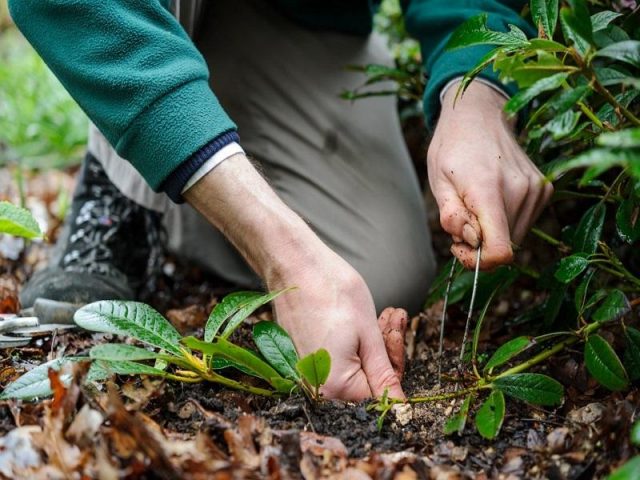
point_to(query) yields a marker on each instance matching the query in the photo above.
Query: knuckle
(388, 378)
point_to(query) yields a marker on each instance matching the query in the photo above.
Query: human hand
(331, 307)
(487, 189)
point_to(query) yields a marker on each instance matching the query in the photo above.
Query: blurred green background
(40, 125)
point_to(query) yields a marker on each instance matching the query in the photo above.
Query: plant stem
(592, 116)
(447, 396)
(612, 100)
(547, 238)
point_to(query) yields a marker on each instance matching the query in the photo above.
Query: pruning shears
(45, 317)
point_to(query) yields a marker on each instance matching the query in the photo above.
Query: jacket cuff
(174, 184)
(171, 129)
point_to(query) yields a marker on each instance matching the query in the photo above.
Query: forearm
(240, 203)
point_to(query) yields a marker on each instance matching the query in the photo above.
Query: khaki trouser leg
(342, 166)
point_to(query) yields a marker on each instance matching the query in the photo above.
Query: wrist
(479, 103)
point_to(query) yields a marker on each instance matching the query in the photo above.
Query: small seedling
(191, 360)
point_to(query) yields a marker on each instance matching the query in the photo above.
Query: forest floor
(139, 428)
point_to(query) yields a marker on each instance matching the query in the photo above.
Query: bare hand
(486, 187)
(333, 309)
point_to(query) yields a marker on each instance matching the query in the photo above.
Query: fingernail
(470, 236)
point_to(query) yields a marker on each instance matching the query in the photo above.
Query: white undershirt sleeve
(220, 156)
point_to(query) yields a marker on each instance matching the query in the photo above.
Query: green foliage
(491, 415)
(457, 422)
(176, 358)
(531, 387)
(603, 363)
(18, 221)
(629, 471)
(579, 110)
(314, 369)
(40, 125)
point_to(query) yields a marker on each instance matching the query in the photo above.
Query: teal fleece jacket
(140, 79)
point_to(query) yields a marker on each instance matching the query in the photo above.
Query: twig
(444, 316)
(471, 303)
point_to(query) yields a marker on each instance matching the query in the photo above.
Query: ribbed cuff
(175, 182)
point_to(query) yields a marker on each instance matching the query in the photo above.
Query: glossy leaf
(457, 422)
(601, 20)
(126, 367)
(534, 388)
(628, 138)
(507, 351)
(570, 267)
(545, 15)
(491, 415)
(134, 319)
(524, 97)
(224, 310)
(315, 367)
(629, 471)
(603, 363)
(635, 433)
(18, 221)
(247, 309)
(626, 52)
(579, 20)
(582, 290)
(563, 125)
(632, 352)
(121, 351)
(35, 383)
(236, 355)
(475, 32)
(276, 347)
(589, 230)
(628, 220)
(614, 306)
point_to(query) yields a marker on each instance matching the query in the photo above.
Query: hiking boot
(108, 248)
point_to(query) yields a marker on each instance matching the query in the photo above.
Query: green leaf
(315, 367)
(628, 221)
(475, 32)
(134, 319)
(276, 347)
(614, 306)
(581, 291)
(572, 33)
(35, 383)
(545, 15)
(567, 99)
(635, 433)
(627, 52)
(126, 367)
(18, 221)
(563, 125)
(457, 422)
(522, 98)
(628, 138)
(121, 351)
(507, 351)
(579, 20)
(491, 415)
(601, 20)
(589, 230)
(236, 355)
(601, 158)
(531, 387)
(603, 363)
(247, 309)
(632, 353)
(629, 471)
(223, 311)
(570, 267)
(608, 76)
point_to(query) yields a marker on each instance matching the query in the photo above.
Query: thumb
(492, 215)
(377, 366)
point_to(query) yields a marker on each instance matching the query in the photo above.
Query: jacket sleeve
(138, 77)
(432, 22)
